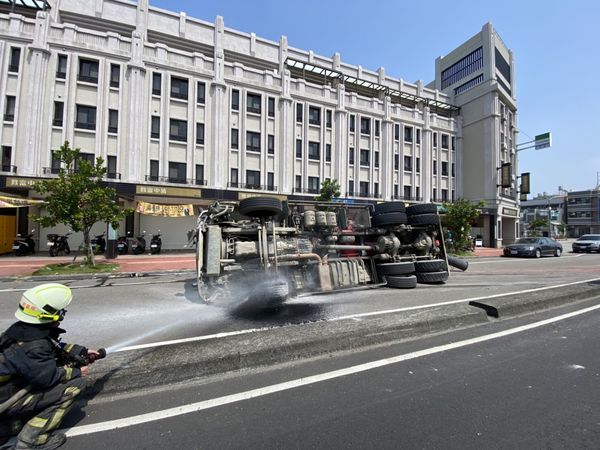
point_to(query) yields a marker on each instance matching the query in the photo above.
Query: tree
(77, 197)
(537, 226)
(458, 218)
(329, 190)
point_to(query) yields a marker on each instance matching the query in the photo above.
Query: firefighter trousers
(43, 411)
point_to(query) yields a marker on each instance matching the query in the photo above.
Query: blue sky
(556, 46)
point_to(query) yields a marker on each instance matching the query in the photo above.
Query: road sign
(543, 141)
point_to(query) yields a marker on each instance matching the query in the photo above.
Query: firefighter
(35, 386)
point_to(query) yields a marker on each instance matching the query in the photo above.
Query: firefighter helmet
(45, 303)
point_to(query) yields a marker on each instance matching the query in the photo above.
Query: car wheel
(538, 253)
(558, 252)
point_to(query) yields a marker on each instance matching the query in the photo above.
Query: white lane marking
(351, 317)
(522, 260)
(292, 384)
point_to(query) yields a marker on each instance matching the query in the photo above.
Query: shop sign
(15, 202)
(154, 209)
(26, 183)
(243, 195)
(509, 212)
(167, 191)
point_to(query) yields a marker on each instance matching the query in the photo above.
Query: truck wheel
(458, 263)
(432, 277)
(397, 268)
(388, 207)
(424, 219)
(388, 219)
(260, 207)
(422, 208)
(402, 282)
(433, 265)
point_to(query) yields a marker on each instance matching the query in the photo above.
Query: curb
(85, 276)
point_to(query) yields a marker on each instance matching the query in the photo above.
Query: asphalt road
(495, 386)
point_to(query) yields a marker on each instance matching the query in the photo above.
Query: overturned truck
(280, 249)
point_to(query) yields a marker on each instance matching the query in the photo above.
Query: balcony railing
(200, 182)
(261, 187)
(51, 170)
(10, 169)
(307, 191)
(9, 117)
(364, 194)
(85, 125)
(88, 79)
(407, 199)
(113, 175)
(170, 179)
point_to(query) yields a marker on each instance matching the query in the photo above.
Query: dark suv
(587, 243)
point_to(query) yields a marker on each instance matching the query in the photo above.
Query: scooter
(122, 246)
(155, 244)
(99, 244)
(24, 245)
(138, 245)
(58, 243)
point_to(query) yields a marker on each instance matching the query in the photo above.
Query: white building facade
(187, 112)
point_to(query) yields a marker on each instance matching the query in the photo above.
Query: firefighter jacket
(28, 358)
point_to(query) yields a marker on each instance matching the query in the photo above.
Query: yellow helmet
(45, 303)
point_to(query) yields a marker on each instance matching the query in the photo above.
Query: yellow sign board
(168, 191)
(153, 209)
(243, 195)
(16, 182)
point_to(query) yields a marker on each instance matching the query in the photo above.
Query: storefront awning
(161, 210)
(17, 202)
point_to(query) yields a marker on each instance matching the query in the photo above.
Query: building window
(88, 70)
(444, 195)
(254, 101)
(200, 175)
(178, 130)
(453, 143)
(463, 68)
(252, 141)
(235, 100)
(201, 93)
(298, 183)
(9, 109)
(364, 157)
(61, 67)
(179, 88)
(363, 188)
(376, 161)
(408, 134)
(434, 167)
(435, 139)
(113, 121)
(155, 127)
(328, 152)
(85, 117)
(298, 148)
(376, 189)
(6, 158)
(444, 141)
(396, 132)
(89, 157)
(408, 163)
(314, 115)
(351, 187)
(299, 112)
(453, 169)
(418, 140)
(377, 128)
(314, 150)
(156, 83)
(365, 125)
(418, 165)
(328, 118)
(153, 170)
(313, 185)
(233, 178)
(352, 123)
(271, 107)
(59, 110)
(396, 162)
(270, 181)
(417, 193)
(407, 191)
(111, 167)
(445, 168)
(55, 163)
(15, 59)
(177, 172)
(235, 141)
(271, 144)
(395, 191)
(253, 179)
(115, 75)
(200, 133)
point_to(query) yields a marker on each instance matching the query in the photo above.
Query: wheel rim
(558, 252)
(538, 254)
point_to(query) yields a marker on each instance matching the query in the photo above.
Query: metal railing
(262, 187)
(6, 168)
(407, 199)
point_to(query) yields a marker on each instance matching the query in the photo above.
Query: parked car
(587, 243)
(535, 247)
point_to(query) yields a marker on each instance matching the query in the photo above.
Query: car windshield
(590, 237)
(527, 241)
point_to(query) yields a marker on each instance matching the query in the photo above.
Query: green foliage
(537, 226)
(329, 190)
(70, 269)
(77, 197)
(458, 218)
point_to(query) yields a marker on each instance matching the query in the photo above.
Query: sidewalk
(11, 266)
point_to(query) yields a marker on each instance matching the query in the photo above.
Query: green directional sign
(543, 141)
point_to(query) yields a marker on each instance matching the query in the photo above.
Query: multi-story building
(583, 212)
(185, 111)
(549, 208)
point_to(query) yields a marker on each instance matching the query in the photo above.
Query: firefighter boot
(55, 440)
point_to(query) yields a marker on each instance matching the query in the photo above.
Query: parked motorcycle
(99, 244)
(58, 244)
(24, 245)
(138, 244)
(155, 244)
(122, 245)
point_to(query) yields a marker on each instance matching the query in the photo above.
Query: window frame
(86, 72)
(253, 103)
(113, 116)
(177, 90)
(253, 141)
(181, 125)
(81, 110)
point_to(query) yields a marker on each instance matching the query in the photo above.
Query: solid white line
(220, 401)
(352, 316)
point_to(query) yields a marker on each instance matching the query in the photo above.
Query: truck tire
(396, 268)
(458, 263)
(388, 207)
(432, 265)
(388, 219)
(402, 281)
(424, 219)
(260, 207)
(422, 208)
(432, 277)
